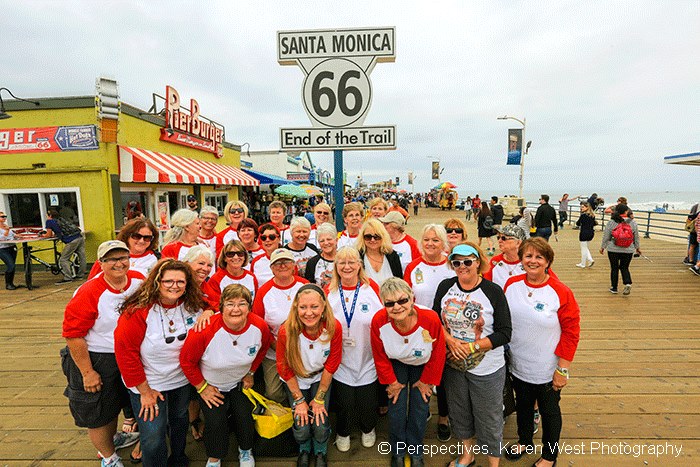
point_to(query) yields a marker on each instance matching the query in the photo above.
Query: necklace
(120, 289)
(234, 342)
(530, 291)
(171, 323)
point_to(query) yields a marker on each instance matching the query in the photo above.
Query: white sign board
(337, 92)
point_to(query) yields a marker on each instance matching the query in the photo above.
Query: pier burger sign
(185, 126)
(337, 92)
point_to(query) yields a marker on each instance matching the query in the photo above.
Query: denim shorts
(94, 409)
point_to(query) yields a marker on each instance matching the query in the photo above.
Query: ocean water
(637, 201)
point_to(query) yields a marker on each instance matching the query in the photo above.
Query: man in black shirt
(545, 218)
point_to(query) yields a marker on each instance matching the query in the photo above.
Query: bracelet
(299, 401)
(319, 401)
(204, 386)
(471, 347)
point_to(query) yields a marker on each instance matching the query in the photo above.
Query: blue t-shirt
(56, 229)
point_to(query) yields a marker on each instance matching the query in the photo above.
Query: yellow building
(61, 155)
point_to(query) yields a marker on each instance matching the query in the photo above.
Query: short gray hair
(298, 222)
(393, 287)
(439, 231)
(326, 229)
(206, 208)
(197, 251)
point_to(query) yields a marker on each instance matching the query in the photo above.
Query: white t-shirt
(378, 276)
(346, 240)
(424, 278)
(357, 367)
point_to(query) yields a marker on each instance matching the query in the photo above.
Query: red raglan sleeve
(219, 244)
(409, 270)
(415, 251)
(570, 321)
(214, 282)
(283, 368)
(170, 250)
(385, 371)
(432, 371)
(333, 360)
(193, 349)
(81, 312)
(258, 303)
(128, 336)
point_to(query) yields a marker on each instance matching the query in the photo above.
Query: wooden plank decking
(635, 383)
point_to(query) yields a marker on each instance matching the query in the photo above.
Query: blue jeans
(312, 434)
(172, 420)
(544, 232)
(407, 428)
(9, 256)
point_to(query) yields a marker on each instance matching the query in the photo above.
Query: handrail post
(646, 234)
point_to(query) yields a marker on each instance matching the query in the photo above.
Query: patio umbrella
(447, 185)
(291, 190)
(311, 190)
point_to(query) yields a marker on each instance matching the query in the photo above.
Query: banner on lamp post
(515, 146)
(436, 170)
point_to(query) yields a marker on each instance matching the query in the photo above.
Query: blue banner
(515, 146)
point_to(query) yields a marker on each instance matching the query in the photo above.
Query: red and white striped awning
(144, 166)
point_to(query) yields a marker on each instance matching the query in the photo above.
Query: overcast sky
(608, 88)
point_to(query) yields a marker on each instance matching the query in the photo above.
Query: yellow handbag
(271, 418)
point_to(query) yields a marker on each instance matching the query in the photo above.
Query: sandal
(512, 453)
(196, 431)
(130, 425)
(137, 450)
(455, 463)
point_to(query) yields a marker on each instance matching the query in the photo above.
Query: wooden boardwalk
(635, 379)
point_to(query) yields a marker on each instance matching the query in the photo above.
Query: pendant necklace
(171, 323)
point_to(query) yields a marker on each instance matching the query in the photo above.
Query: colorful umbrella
(291, 190)
(312, 190)
(447, 185)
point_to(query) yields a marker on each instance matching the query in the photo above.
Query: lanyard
(348, 317)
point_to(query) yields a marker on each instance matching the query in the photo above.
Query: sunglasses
(456, 263)
(325, 213)
(265, 238)
(121, 259)
(454, 230)
(3, 217)
(171, 339)
(369, 237)
(173, 282)
(402, 301)
(282, 262)
(138, 236)
(236, 211)
(233, 254)
(504, 238)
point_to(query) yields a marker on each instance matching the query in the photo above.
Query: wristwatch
(563, 371)
(477, 347)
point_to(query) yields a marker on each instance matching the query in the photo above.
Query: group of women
(360, 329)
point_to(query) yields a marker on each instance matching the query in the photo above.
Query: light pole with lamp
(527, 147)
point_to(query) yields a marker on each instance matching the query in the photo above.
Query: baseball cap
(511, 230)
(191, 198)
(393, 216)
(279, 254)
(110, 245)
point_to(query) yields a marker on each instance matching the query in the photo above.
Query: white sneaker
(580, 265)
(245, 458)
(342, 443)
(627, 289)
(116, 462)
(213, 464)
(368, 439)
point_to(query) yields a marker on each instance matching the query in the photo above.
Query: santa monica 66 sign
(337, 92)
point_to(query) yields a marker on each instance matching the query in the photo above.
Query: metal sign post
(338, 189)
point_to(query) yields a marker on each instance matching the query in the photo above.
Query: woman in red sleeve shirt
(409, 353)
(183, 234)
(546, 328)
(219, 362)
(147, 341)
(309, 349)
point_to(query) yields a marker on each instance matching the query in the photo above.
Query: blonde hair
(439, 231)
(374, 202)
(235, 245)
(178, 222)
(293, 326)
(394, 286)
(325, 206)
(299, 222)
(234, 204)
(354, 206)
(379, 229)
(344, 254)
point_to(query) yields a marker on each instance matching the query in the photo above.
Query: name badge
(348, 342)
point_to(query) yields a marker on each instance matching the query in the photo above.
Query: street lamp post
(522, 156)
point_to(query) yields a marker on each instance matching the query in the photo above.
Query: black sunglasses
(454, 230)
(232, 254)
(265, 238)
(236, 210)
(171, 339)
(504, 238)
(458, 263)
(325, 213)
(402, 301)
(138, 236)
(369, 237)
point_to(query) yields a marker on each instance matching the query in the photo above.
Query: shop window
(29, 209)
(135, 203)
(217, 200)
